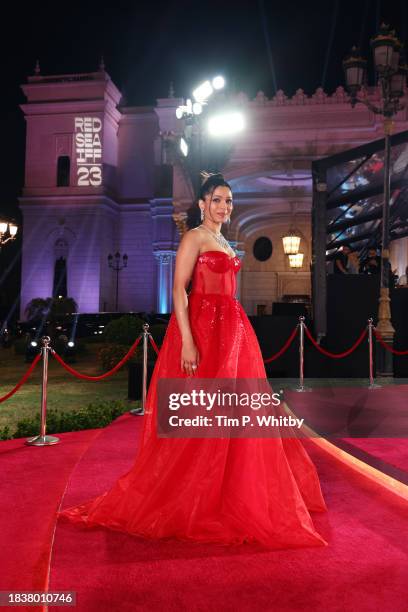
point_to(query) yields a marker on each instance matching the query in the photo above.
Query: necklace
(219, 238)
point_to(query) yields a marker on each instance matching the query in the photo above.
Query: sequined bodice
(214, 273)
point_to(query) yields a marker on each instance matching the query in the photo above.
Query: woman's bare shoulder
(192, 237)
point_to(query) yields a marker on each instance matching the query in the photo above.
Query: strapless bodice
(214, 273)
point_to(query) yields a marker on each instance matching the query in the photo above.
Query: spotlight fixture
(183, 147)
(226, 124)
(218, 82)
(203, 92)
(200, 95)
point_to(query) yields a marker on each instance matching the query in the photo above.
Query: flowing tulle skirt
(224, 490)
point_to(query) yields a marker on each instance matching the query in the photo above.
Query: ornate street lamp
(386, 49)
(116, 265)
(8, 231)
(355, 71)
(391, 76)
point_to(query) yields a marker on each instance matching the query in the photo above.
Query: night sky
(255, 44)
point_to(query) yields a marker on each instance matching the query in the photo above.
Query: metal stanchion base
(42, 440)
(302, 389)
(374, 386)
(137, 411)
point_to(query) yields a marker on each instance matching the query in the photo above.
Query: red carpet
(32, 484)
(353, 412)
(371, 425)
(364, 567)
(392, 450)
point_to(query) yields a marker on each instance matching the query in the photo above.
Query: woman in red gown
(223, 490)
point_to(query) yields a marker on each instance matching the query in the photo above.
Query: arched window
(60, 278)
(63, 171)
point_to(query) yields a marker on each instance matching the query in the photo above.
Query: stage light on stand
(189, 109)
(192, 140)
(226, 124)
(218, 82)
(203, 92)
(183, 147)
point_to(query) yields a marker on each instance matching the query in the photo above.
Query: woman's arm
(187, 254)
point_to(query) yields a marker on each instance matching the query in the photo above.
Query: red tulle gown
(229, 490)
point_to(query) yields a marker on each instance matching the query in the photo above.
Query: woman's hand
(189, 357)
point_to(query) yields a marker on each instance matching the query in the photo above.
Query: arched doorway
(60, 286)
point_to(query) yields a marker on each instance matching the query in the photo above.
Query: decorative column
(164, 287)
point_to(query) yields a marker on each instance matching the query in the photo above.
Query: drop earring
(201, 214)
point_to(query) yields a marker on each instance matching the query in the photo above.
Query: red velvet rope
(156, 348)
(284, 347)
(102, 376)
(387, 346)
(278, 354)
(23, 380)
(336, 355)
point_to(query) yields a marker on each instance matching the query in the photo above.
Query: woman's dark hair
(211, 183)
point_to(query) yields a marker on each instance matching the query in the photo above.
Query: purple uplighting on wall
(101, 204)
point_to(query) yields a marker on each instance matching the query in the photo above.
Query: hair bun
(211, 181)
(206, 176)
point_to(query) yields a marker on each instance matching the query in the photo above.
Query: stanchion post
(145, 334)
(372, 384)
(43, 439)
(301, 388)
